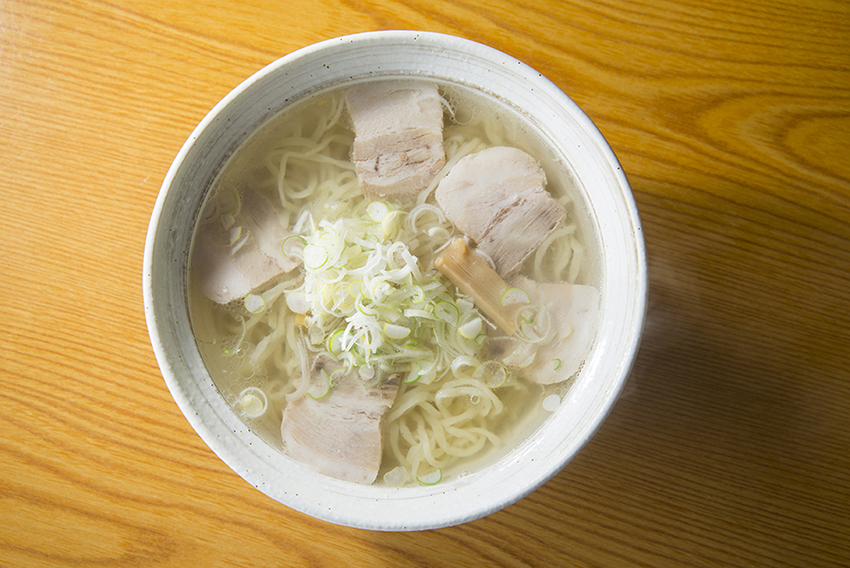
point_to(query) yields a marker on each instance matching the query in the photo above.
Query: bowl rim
(339, 502)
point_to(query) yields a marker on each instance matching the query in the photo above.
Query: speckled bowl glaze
(573, 137)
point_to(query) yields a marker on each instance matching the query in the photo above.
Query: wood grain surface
(731, 444)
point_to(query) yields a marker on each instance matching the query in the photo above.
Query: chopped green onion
(236, 206)
(470, 329)
(381, 290)
(389, 226)
(368, 297)
(297, 302)
(366, 310)
(255, 304)
(396, 331)
(315, 257)
(417, 313)
(356, 288)
(413, 375)
(289, 243)
(235, 234)
(252, 402)
(377, 210)
(335, 341)
(432, 478)
(418, 294)
(551, 402)
(514, 296)
(395, 477)
(447, 312)
(327, 389)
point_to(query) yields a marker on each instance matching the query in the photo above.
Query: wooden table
(731, 443)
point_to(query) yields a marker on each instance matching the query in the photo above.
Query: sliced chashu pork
(398, 144)
(498, 198)
(573, 314)
(341, 434)
(237, 253)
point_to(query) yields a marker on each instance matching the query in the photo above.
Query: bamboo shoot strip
(473, 277)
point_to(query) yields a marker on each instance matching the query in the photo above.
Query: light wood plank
(731, 444)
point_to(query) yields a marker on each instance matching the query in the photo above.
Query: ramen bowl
(610, 218)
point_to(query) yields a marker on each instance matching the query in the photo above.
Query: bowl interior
(572, 138)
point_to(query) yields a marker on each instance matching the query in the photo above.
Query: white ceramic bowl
(614, 220)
